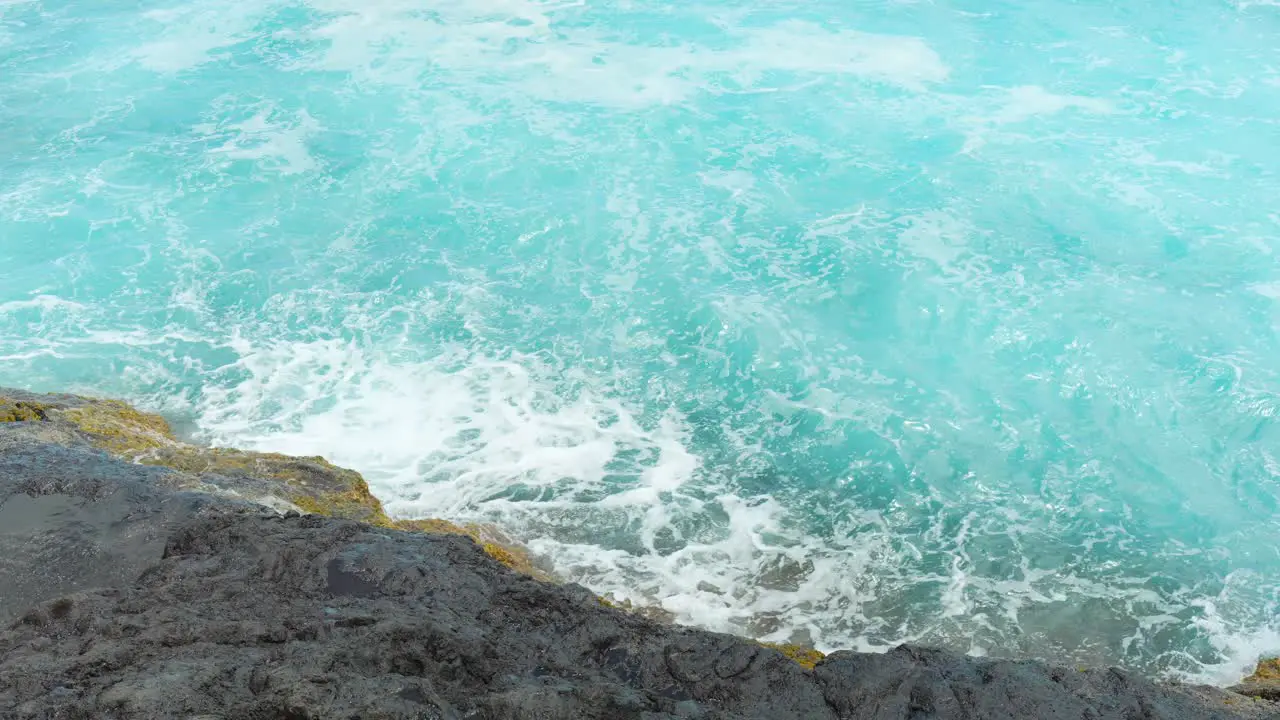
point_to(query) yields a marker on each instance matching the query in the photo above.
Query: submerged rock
(143, 578)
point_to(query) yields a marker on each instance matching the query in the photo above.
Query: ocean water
(844, 322)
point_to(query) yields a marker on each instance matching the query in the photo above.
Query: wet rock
(782, 573)
(72, 518)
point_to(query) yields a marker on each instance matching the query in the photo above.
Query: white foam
(521, 47)
(1242, 626)
(1267, 289)
(810, 48)
(615, 501)
(607, 495)
(1022, 103)
(273, 140)
(937, 236)
(1029, 101)
(40, 302)
(475, 424)
(190, 34)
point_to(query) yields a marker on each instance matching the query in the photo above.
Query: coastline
(81, 433)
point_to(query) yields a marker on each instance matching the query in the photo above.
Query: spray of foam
(1239, 644)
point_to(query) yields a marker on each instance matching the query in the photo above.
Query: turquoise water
(853, 323)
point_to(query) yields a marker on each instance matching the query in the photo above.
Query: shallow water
(853, 323)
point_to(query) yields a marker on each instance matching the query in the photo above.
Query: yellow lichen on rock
(119, 428)
(805, 657)
(349, 506)
(506, 551)
(1264, 683)
(13, 411)
(487, 537)
(430, 525)
(274, 466)
(316, 486)
(1267, 669)
(111, 425)
(312, 484)
(515, 558)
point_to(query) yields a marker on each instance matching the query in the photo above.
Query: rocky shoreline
(144, 577)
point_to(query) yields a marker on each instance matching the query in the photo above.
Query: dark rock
(72, 518)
